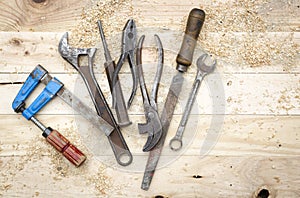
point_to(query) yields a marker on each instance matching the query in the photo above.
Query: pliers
(153, 124)
(128, 47)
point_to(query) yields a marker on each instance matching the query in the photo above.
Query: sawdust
(92, 172)
(221, 34)
(86, 33)
(236, 16)
(100, 181)
(242, 36)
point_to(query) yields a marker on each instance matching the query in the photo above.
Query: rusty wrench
(116, 139)
(202, 70)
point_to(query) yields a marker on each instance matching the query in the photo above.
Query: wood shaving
(236, 16)
(86, 33)
(100, 181)
(220, 34)
(253, 46)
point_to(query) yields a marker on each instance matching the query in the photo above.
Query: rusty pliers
(128, 49)
(153, 124)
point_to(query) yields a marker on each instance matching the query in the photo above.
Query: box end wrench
(116, 139)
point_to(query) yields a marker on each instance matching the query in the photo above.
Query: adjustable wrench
(116, 139)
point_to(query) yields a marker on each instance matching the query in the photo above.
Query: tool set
(156, 127)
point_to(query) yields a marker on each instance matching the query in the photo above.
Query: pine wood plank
(248, 141)
(220, 177)
(236, 135)
(273, 94)
(54, 16)
(39, 15)
(41, 48)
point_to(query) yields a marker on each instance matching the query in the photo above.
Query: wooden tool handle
(72, 153)
(194, 25)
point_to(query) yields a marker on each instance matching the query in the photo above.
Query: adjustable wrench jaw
(72, 54)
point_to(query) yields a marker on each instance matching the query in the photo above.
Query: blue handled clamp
(30, 84)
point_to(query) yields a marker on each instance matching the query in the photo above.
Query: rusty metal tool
(128, 48)
(74, 102)
(121, 111)
(56, 139)
(153, 125)
(202, 70)
(116, 139)
(184, 60)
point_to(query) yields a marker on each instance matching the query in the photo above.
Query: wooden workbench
(243, 134)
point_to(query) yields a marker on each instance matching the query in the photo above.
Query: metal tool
(56, 139)
(69, 98)
(153, 125)
(128, 48)
(121, 111)
(202, 70)
(184, 59)
(116, 139)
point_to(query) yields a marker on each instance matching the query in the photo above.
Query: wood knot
(16, 41)
(159, 196)
(197, 176)
(39, 1)
(264, 192)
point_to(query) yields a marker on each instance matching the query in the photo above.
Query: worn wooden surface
(255, 109)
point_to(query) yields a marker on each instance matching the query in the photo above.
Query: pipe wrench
(153, 125)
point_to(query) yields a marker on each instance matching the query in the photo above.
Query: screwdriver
(60, 143)
(184, 60)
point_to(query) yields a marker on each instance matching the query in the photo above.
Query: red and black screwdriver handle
(61, 144)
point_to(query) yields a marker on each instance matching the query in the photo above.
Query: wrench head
(71, 54)
(203, 67)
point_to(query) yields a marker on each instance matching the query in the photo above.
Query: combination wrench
(202, 70)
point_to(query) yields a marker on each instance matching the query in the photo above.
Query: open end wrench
(116, 139)
(202, 70)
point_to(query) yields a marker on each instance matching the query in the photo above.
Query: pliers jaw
(129, 37)
(128, 49)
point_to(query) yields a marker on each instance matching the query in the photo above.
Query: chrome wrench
(202, 70)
